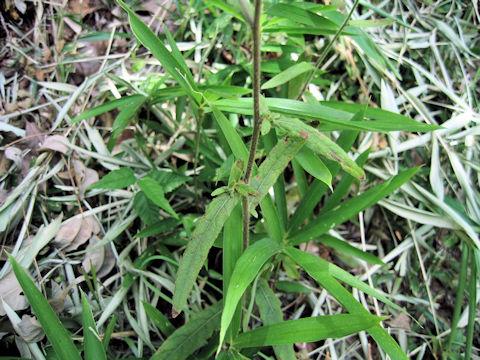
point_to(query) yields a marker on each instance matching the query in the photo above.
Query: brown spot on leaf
(304, 134)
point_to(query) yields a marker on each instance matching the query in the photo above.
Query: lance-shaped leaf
(288, 74)
(203, 237)
(306, 330)
(315, 269)
(154, 192)
(93, 345)
(185, 340)
(246, 269)
(276, 161)
(343, 212)
(116, 179)
(155, 45)
(319, 143)
(314, 166)
(271, 313)
(56, 333)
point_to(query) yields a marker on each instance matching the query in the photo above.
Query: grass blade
(306, 330)
(185, 340)
(271, 313)
(309, 263)
(247, 267)
(349, 208)
(55, 331)
(346, 248)
(287, 75)
(93, 345)
(203, 237)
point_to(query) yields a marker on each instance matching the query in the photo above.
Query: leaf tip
(175, 313)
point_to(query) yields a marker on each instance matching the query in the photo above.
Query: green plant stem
(257, 119)
(472, 302)
(326, 51)
(459, 299)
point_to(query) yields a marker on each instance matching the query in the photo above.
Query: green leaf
(169, 180)
(312, 267)
(332, 115)
(234, 140)
(346, 248)
(55, 331)
(116, 179)
(93, 345)
(154, 192)
(271, 313)
(246, 268)
(302, 16)
(155, 45)
(185, 340)
(146, 208)
(110, 105)
(306, 330)
(158, 227)
(371, 23)
(310, 261)
(124, 117)
(329, 219)
(276, 161)
(206, 231)
(314, 166)
(288, 74)
(320, 143)
(160, 320)
(292, 287)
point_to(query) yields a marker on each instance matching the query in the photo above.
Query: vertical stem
(327, 49)
(257, 120)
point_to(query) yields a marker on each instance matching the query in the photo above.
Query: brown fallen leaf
(10, 291)
(108, 262)
(91, 177)
(67, 233)
(94, 257)
(55, 143)
(82, 236)
(30, 329)
(34, 136)
(401, 321)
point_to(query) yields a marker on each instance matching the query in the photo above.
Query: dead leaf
(91, 177)
(401, 321)
(34, 136)
(15, 154)
(86, 229)
(10, 291)
(55, 143)
(83, 7)
(93, 257)
(78, 172)
(67, 233)
(30, 329)
(108, 262)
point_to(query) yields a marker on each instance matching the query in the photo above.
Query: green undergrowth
(265, 180)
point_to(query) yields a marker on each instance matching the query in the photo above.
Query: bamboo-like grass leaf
(206, 231)
(234, 140)
(346, 248)
(186, 339)
(306, 330)
(320, 143)
(314, 166)
(153, 43)
(247, 267)
(55, 331)
(271, 313)
(154, 192)
(320, 264)
(347, 209)
(313, 267)
(302, 16)
(93, 345)
(276, 161)
(160, 320)
(288, 74)
(98, 110)
(116, 179)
